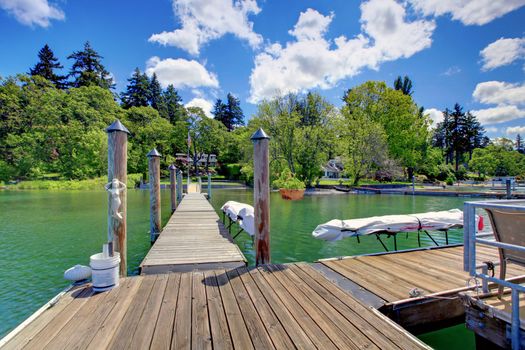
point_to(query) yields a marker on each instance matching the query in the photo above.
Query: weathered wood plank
(112, 322)
(200, 336)
(56, 324)
(164, 329)
(218, 323)
(240, 335)
(182, 325)
(124, 335)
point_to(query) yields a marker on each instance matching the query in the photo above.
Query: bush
(247, 174)
(445, 171)
(461, 173)
(450, 181)
(233, 171)
(288, 181)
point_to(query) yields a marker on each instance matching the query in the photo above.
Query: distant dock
(193, 239)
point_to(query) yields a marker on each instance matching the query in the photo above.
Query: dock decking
(385, 280)
(193, 239)
(273, 307)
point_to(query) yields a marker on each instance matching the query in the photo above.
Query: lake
(42, 233)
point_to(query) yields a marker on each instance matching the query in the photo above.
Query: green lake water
(42, 233)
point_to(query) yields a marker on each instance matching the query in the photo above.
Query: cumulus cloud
(498, 114)
(312, 61)
(499, 92)
(435, 115)
(32, 12)
(469, 12)
(514, 130)
(502, 52)
(206, 20)
(205, 105)
(181, 73)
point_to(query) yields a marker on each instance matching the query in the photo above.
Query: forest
(52, 126)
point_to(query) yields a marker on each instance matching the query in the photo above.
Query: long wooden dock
(273, 307)
(435, 277)
(193, 239)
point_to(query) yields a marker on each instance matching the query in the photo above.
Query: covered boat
(240, 213)
(334, 230)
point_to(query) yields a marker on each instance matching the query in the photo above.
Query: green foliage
(405, 129)
(137, 91)
(233, 171)
(230, 113)
(498, 160)
(301, 130)
(288, 181)
(247, 174)
(87, 69)
(46, 67)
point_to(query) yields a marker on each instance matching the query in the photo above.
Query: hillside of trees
(53, 125)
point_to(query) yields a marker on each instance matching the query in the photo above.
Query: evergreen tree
(473, 133)
(234, 112)
(519, 144)
(87, 70)
(219, 112)
(405, 85)
(137, 91)
(155, 93)
(174, 110)
(46, 66)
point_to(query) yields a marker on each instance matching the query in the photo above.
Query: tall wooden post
(209, 186)
(179, 186)
(173, 189)
(154, 193)
(261, 196)
(117, 169)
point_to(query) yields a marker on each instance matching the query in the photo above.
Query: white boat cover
(241, 213)
(335, 230)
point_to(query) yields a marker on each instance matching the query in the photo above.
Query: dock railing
(472, 238)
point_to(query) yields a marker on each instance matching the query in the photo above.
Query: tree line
(53, 125)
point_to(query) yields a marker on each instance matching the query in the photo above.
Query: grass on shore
(365, 182)
(88, 184)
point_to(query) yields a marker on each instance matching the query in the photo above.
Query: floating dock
(193, 239)
(434, 276)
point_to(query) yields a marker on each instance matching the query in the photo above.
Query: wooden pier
(271, 307)
(193, 239)
(434, 277)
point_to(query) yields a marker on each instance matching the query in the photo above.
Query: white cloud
(312, 61)
(499, 92)
(206, 20)
(498, 114)
(452, 71)
(491, 129)
(205, 105)
(435, 115)
(514, 130)
(181, 73)
(502, 52)
(32, 12)
(469, 12)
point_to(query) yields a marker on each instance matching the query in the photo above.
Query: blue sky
(466, 51)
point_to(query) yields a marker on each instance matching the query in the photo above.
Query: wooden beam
(154, 193)
(261, 196)
(173, 189)
(117, 169)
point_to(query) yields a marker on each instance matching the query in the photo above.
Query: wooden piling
(261, 196)
(117, 169)
(179, 185)
(154, 193)
(209, 186)
(173, 189)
